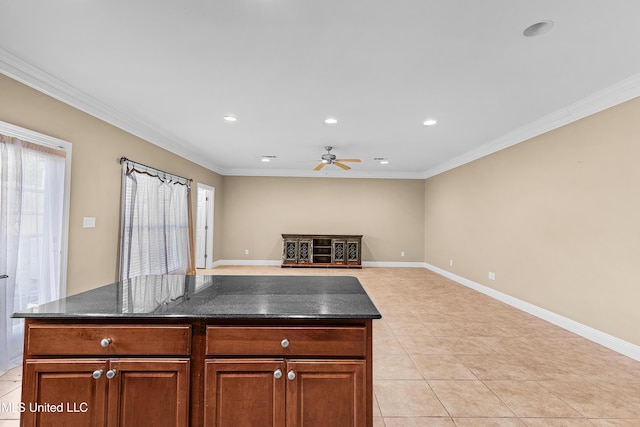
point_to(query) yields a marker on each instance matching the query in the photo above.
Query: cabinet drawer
(96, 340)
(289, 341)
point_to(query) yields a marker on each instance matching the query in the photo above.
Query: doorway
(34, 195)
(204, 227)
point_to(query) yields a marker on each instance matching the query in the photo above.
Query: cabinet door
(244, 393)
(290, 251)
(148, 392)
(324, 393)
(64, 392)
(305, 251)
(353, 252)
(339, 251)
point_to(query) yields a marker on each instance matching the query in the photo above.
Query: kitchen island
(202, 351)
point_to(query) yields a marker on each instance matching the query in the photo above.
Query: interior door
(204, 227)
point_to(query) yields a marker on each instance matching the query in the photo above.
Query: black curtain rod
(124, 159)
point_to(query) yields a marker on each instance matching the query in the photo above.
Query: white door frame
(208, 221)
(50, 141)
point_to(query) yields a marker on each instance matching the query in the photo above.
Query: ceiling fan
(330, 159)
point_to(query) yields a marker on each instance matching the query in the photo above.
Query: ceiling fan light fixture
(538, 29)
(430, 122)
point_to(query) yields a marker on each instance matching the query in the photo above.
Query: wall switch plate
(89, 222)
(492, 275)
(246, 251)
(402, 253)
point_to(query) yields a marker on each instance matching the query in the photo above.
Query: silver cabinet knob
(105, 342)
(277, 374)
(97, 374)
(111, 373)
(291, 375)
(284, 343)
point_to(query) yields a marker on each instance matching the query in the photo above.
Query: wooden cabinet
(70, 382)
(331, 250)
(290, 382)
(221, 372)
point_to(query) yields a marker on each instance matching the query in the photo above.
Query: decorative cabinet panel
(353, 252)
(339, 251)
(321, 250)
(290, 250)
(305, 250)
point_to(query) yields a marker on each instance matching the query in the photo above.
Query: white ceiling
(169, 71)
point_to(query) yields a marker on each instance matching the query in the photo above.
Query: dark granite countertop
(216, 297)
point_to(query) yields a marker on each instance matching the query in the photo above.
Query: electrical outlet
(402, 253)
(492, 275)
(89, 222)
(246, 251)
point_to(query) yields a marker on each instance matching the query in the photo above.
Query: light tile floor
(445, 355)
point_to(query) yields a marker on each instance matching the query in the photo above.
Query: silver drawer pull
(105, 342)
(291, 375)
(97, 374)
(277, 374)
(111, 373)
(284, 343)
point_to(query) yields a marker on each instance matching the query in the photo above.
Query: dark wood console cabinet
(326, 250)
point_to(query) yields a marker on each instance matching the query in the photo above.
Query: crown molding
(336, 173)
(618, 93)
(20, 70)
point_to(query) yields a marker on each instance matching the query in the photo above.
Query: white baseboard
(392, 264)
(247, 262)
(279, 262)
(609, 341)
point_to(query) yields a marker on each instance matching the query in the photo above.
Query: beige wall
(388, 213)
(95, 177)
(557, 218)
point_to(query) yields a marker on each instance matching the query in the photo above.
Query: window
(34, 188)
(156, 222)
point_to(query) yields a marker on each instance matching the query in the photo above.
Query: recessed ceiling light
(230, 118)
(538, 29)
(384, 162)
(430, 122)
(267, 158)
(331, 121)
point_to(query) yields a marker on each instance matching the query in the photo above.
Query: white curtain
(156, 237)
(31, 219)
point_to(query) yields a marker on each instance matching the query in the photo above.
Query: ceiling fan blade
(349, 160)
(340, 165)
(320, 166)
